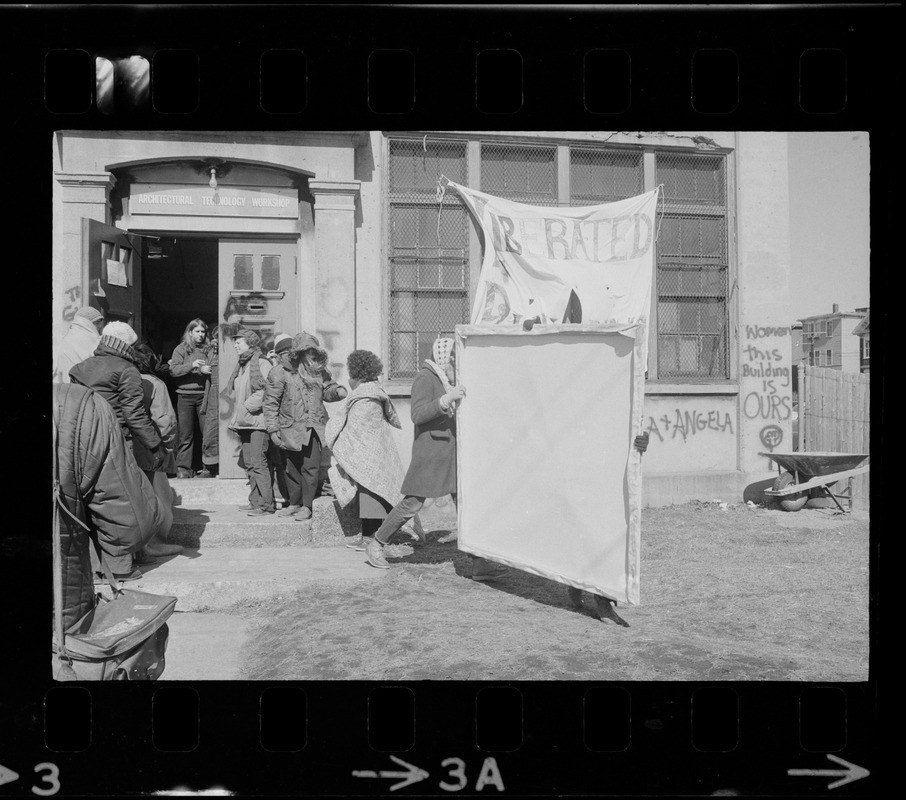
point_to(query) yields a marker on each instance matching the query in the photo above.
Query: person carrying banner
(432, 470)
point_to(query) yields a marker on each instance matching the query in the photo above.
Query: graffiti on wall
(686, 423)
(771, 436)
(71, 303)
(762, 364)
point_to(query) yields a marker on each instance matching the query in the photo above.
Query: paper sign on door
(116, 273)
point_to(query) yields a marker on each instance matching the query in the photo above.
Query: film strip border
(527, 739)
(722, 66)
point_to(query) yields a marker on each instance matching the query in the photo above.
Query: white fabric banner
(537, 257)
(548, 479)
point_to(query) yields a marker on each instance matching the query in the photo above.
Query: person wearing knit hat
(111, 372)
(295, 416)
(246, 386)
(432, 470)
(79, 342)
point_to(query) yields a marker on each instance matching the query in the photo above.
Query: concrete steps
(191, 492)
(211, 525)
(206, 515)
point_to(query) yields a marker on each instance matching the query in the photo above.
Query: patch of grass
(728, 593)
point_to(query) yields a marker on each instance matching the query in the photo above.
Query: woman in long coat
(432, 471)
(367, 465)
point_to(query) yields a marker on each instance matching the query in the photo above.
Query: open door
(257, 287)
(111, 258)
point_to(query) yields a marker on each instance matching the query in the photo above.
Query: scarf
(441, 350)
(256, 382)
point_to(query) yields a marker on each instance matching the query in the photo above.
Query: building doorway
(231, 284)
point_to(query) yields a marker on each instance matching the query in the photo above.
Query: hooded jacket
(79, 343)
(112, 373)
(101, 485)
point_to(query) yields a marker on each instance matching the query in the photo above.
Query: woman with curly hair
(367, 464)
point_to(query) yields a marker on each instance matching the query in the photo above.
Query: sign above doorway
(224, 201)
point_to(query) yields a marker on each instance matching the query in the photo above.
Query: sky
(829, 221)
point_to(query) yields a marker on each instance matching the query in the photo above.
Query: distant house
(861, 330)
(828, 341)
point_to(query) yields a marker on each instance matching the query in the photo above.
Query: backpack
(121, 638)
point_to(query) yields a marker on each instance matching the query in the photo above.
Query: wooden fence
(834, 417)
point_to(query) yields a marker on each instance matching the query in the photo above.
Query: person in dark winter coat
(191, 372)
(432, 470)
(294, 416)
(102, 486)
(111, 372)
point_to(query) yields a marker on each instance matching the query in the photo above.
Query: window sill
(651, 388)
(398, 389)
(713, 387)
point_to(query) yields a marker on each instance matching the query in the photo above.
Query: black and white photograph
(465, 405)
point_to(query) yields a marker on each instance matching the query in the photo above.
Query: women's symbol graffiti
(771, 436)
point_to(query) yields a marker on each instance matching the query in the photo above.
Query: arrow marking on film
(412, 774)
(850, 773)
(7, 775)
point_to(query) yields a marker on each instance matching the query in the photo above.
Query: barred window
(428, 251)
(430, 248)
(526, 174)
(692, 268)
(602, 176)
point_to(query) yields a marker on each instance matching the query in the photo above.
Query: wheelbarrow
(813, 471)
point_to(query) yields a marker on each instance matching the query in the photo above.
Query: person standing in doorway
(246, 385)
(210, 408)
(79, 342)
(191, 373)
(432, 470)
(294, 416)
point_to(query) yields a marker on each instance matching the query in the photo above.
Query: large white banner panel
(549, 481)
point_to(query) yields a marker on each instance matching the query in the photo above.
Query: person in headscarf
(432, 470)
(294, 416)
(367, 464)
(79, 342)
(246, 385)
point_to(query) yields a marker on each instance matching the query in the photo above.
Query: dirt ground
(728, 592)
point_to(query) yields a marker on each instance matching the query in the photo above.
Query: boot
(374, 553)
(452, 536)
